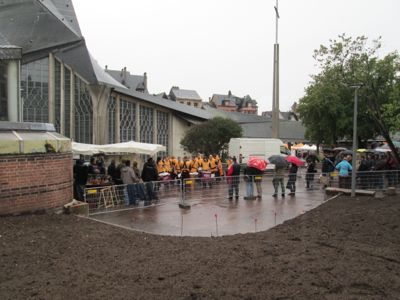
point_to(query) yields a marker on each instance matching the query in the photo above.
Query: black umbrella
(278, 161)
(347, 152)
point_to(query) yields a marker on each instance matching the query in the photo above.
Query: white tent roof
(128, 147)
(308, 148)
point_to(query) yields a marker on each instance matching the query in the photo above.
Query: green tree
(212, 136)
(327, 107)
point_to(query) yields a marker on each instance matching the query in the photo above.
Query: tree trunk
(388, 139)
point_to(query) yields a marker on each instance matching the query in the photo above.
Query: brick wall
(35, 182)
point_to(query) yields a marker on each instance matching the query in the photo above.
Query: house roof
(102, 76)
(236, 116)
(217, 99)
(288, 130)
(255, 126)
(282, 115)
(133, 82)
(178, 94)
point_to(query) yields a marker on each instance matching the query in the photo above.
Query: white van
(243, 148)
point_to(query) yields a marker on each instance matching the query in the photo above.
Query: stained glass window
(163, 130)
(127, 120)
(111, 119)
(67, 102)
(35, 91)
(57, 96)
(3, 92)
(83, 113)
(146, 124)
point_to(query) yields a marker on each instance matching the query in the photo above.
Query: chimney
(123, 75)
(106, 67)
(229, 93)
(145, 81)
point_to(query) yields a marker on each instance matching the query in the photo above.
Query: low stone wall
(35, 182)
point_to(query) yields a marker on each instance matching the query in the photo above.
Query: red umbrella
(258, 163)
(294, 160)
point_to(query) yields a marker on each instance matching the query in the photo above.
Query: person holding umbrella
(259, 165)
(295, 163)
(279, 174)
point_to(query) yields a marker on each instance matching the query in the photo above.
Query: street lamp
(275, 93)
(356, 87)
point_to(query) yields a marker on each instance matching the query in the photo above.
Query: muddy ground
(344, 249)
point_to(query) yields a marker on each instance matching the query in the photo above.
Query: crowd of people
(372, 169)
(143, 184)
(183, 167)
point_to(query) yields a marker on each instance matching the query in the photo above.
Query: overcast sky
(213, 46)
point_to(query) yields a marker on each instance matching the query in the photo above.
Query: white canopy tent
(308, 148)
(127, 147)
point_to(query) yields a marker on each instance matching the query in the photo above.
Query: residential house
(231, 103)
(133, 82)
(188, 97)
(288, 116)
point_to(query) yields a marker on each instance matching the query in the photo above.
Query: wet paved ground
(211, 213)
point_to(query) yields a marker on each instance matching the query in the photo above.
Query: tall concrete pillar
(13, 98)
(62, 100)
(155, 126)
(137, 120)
(100, 95)
(52, 91)
(72, 106)
(118, 119)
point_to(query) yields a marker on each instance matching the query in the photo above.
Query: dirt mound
(345, 248)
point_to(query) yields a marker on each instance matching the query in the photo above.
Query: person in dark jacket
(149, 176)
(328, 166)
(364, 171)
(291, 184)
(250, 173)
(113, 171)
(233, 179)
(93, 167)
(310, 173)
(80, 179)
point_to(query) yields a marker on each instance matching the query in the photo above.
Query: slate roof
(178, 94)
(178, 108)
(65, 12)
(132, 82)
(288, 130)
(43, 26)
(239, 102)
(8, 51)
(3, 41)
(282, 115)
(37, 25)
(255, 126)
(217, 99)
(236, 116)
